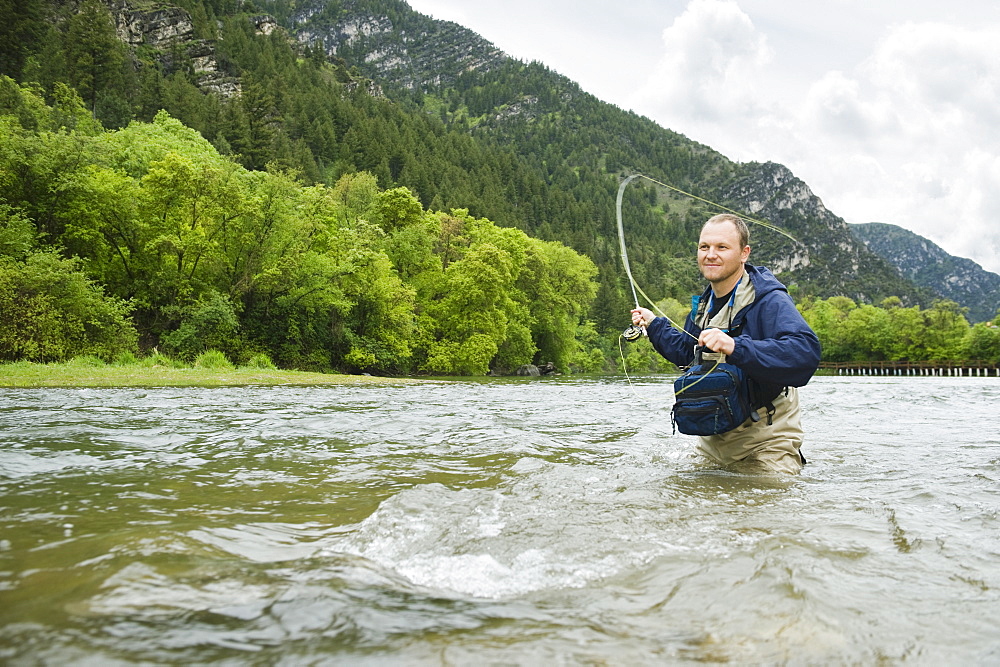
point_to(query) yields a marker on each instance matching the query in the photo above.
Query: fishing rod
(633, 333)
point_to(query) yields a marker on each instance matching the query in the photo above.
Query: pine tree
(95, 61)
(21, 30)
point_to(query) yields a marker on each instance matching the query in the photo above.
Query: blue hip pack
(711, 397)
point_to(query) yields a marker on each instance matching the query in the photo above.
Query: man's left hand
(717, 340)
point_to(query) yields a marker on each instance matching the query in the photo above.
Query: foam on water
(466, 542)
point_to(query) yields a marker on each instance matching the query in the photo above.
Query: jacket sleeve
(777, 346)
(676, 346)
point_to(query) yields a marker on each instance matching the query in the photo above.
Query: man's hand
(641, 317)
(716, 340)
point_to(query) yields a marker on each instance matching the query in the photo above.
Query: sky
(889, 111)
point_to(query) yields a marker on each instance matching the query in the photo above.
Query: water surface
(513, 521)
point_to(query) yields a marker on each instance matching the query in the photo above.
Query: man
(747, 315)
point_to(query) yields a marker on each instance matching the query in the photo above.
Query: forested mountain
(350, 184)
(583, 146)
(925, 263)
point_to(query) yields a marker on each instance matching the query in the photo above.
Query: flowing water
(503, 521)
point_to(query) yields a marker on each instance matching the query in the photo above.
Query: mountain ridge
(919, 259)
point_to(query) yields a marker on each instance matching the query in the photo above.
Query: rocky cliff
(398, 46)
(164, 27)
(825, 251)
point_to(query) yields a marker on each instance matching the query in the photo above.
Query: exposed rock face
(925, 263)
(164, 27)
(416, 52)
(264, 23)
(158, 28)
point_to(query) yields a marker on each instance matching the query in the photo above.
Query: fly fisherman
(747, 315)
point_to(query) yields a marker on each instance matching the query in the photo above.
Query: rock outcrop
(165, 28)
(410, 50)
(825, 250)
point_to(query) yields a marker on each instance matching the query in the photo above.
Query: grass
(92, 372)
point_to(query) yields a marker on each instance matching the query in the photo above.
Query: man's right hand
(641, 317)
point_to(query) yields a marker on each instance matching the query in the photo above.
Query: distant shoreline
(24, 375)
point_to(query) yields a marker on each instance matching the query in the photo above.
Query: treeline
(297, 115)
(850, 331)
(182, 249)
(148, 237)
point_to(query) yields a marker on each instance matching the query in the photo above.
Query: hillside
(925, 263)
(584, 146)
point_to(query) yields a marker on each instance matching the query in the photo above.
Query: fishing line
(634, 333)
(762, 223)
(621, 352)
(621, 234)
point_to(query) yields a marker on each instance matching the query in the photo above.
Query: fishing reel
(633, 333)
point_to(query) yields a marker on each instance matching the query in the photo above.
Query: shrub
(261, 361)
(126, 358)
(52, 312)
(209, 323)
(213, 359)
(159, 359)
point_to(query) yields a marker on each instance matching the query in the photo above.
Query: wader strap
(771, 409)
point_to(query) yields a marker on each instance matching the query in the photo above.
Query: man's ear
(745, 254)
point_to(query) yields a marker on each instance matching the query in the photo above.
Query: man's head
(723, 247)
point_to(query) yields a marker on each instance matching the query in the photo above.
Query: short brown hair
(737, 221)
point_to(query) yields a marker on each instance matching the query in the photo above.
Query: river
(501, 521)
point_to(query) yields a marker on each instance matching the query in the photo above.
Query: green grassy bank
(85, 373)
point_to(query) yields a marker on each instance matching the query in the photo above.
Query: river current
(502, 521)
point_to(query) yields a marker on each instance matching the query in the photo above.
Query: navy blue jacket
(774, 345)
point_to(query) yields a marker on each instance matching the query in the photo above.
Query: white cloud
(943, 68)
(837, 108)
(925, 105)
(975, 228)
(710, 68)
(906, 135)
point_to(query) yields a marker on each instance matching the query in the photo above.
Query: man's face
(720, 257)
